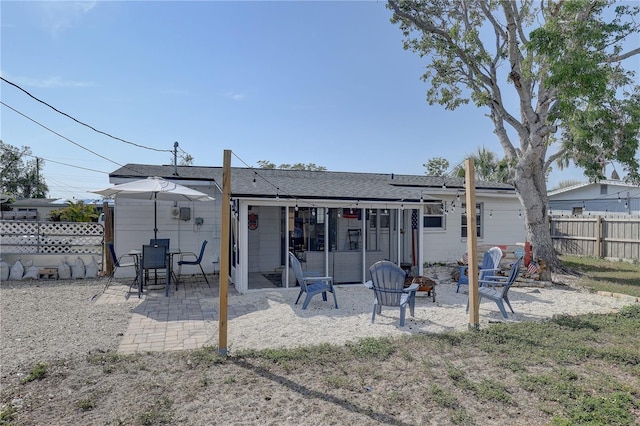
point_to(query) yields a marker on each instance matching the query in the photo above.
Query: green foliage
(76, 212)
(488, 168)
(373, 348)
(264, 164)
(19, 176)
(208, 355)
(598, 103)
(38, 372)
(111, 361)
(549, 75)
(158, 414)
(443, 397)
(436, 166)
(323, 354)
(86, 404)
(7, 414)
(614, 409)
(602, 275)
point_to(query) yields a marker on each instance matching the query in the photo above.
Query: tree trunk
(532, 191)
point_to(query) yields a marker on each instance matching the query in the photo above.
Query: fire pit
(425, 284)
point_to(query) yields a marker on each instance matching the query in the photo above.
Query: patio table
(137, 253)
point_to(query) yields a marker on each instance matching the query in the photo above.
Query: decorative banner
(253, 221)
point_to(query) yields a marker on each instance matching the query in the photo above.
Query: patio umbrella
(154, 188)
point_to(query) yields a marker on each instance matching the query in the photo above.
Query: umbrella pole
(155, 215)
(155, 229)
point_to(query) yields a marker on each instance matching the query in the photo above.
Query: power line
(58, 134)
(82, 123)
(66, 164)
(64, 187)
(65, 138)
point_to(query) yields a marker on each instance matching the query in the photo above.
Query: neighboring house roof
(37, 202)
(587, 184)
(256, 182)
(608, 196)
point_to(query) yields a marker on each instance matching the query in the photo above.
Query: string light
(446, 209)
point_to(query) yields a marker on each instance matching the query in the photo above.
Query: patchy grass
(38, 372)
(602, 275)
(570, 370)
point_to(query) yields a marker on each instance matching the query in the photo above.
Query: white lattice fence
(17, 237)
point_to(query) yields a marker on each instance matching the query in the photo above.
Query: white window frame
(428, 213)
(479, 221)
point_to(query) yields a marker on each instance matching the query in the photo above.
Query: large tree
(550, 77)
(266, 164)
(20, 176)
(488, 167)
(437, 166)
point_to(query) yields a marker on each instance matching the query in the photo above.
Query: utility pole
(175, 158)
(37, 178)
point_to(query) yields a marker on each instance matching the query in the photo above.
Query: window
(603, 189)
(384, 218)
(306, 231)
(433, 215)
(463, 230)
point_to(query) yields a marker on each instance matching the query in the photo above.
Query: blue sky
(313, 82)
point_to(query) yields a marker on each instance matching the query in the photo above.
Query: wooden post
(472, 246)
(598, 232)
(107, 238)
(224, 253)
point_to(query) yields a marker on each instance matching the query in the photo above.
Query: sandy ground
(277, 322)
(43, 319)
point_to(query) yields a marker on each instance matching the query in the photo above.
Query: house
(338, 223)
(41, 208)
(595, 198)
(33, 209)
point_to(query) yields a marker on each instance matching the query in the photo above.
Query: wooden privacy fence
(612, 237)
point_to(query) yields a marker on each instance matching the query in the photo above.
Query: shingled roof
(267, 183)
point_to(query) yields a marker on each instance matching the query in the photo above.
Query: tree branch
(624, 56)
(553, 157)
